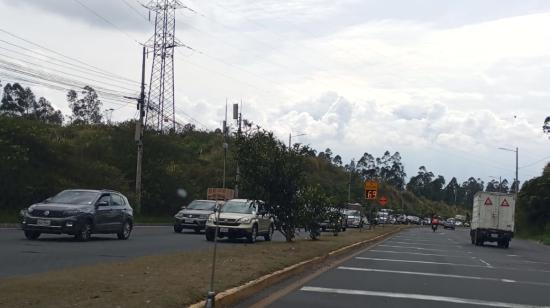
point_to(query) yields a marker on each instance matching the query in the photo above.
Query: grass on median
(169, 280)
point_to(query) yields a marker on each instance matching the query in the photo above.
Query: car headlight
(29, 210)
(179, 215)
(69, 213)
(245, 220)
(211, 218)
(23, 212)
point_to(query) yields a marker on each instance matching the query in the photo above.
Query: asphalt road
(19, 256)
(419, 268)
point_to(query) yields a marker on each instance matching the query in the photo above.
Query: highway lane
(19, 256)
(419, 268)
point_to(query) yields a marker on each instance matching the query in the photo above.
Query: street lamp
(516, 182)
(290, 139)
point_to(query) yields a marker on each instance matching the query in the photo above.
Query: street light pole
(516, 182)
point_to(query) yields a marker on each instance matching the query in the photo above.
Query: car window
(116, 200)
(105, 198)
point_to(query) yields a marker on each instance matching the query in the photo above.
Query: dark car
(80, 212)
(195, 215)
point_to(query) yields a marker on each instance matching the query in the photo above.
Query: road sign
(505, 203)
(371, 190)
(383, 200)
(488, 201)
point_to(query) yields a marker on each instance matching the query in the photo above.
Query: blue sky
(443, 82)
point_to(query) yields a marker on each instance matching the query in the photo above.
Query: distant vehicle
(401, 219)
(458, 223)
(413, 220)
(195, 215)
(355, 219)
(340, 225)
(80, 212)
(426, 221)
(241, 218)
(493, 218)
(448, 225)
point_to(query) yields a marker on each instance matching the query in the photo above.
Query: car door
(117, 213)
(103, 213)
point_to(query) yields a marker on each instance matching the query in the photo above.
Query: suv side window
(117, 200)
(105, 198)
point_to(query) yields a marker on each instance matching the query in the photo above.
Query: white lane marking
(420, 244)
(444, 275)
(424, 297)
(512, 255)
(412, 239)
(486, 263)
(421, 262)
(419, 253)
(409, 247)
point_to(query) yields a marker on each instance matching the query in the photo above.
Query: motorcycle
(434, 227)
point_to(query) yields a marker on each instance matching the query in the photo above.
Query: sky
(445, 83)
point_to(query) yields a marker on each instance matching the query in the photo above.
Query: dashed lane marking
(420, 262)
(422, 297)
(442, 275)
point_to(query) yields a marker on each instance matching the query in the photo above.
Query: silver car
(194, 215)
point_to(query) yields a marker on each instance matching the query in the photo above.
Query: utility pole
(211, 296)
(138, 136)
(239, 117)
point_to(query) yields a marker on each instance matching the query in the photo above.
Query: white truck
(493, 218)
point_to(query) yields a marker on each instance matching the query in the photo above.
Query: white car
(241, 218)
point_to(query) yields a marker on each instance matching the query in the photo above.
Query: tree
(19, 101)
(14, 100)
(272, 173)
(337, 160)
(314, 205)
(452, 192)
(43, 111)
(546, 126)
(86, 110)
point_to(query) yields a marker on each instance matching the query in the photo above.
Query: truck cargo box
(493, 217)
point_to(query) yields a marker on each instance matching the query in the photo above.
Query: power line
(64, 64)
(135, 10)
(60, 71)
(106, 20)
(535, 162)
(64, 56)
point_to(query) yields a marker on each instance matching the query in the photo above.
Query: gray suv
(80, 212)
(194, 215)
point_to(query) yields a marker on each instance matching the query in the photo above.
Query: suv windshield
(239, 207)
(202, 205)
(76, 197)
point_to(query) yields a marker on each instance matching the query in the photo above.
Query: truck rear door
(506, 208)
(488, 212)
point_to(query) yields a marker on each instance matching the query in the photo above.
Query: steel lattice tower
(160, 111)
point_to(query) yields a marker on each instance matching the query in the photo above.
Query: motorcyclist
(435, 222)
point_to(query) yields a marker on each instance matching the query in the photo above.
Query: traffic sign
(505, 203)
(488, 201)
(371, 190)
(383, 200)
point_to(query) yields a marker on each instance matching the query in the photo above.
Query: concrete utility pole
(138, 137)
(516, 182)
(239, 117)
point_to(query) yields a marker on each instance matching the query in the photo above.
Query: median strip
(179, 279)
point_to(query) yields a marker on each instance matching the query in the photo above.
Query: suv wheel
(209, 232)
(253, 234)
(177, 229)
(32, 235)
(124, 234)
(269, 234)
(85, 233)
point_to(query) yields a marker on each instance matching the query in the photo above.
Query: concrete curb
(234, 295)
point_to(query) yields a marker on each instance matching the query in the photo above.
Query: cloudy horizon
(443, 83)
